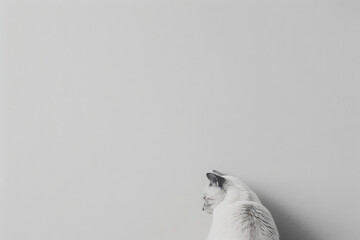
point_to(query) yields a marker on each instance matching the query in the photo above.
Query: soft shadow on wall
(289, 227)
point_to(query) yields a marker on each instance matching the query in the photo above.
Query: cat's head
(215, 191)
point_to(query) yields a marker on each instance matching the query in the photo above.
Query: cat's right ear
(216, 180)
(218, 173)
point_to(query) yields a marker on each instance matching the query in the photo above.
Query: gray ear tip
(211, 176)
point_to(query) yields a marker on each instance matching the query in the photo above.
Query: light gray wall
(113, 113)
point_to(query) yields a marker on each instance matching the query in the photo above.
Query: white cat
(237, 211)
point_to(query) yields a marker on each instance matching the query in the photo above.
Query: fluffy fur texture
(237, 211)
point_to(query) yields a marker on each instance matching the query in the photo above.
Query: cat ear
(215, 180)
(218, 173)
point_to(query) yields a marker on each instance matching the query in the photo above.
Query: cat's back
(255, 221)
(249, 221)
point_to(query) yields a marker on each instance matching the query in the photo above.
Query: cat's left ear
(218, 173)
(216, 180)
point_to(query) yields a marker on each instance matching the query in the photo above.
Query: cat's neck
(240, 192)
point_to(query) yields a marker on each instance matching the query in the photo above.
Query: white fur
(237, 213)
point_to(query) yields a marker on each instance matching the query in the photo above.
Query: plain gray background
(112, 113)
